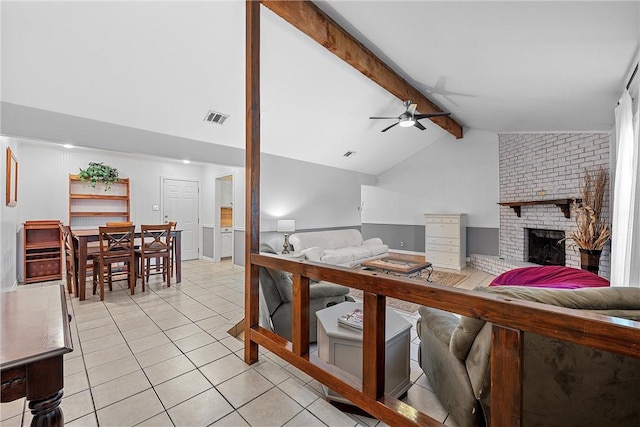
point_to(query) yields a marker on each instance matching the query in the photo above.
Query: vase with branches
(592, 233)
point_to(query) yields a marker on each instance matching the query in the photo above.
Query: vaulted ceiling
(141, 76)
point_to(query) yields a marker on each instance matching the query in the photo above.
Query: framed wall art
(12, 178)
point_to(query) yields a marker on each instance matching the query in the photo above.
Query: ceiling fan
(409, 117)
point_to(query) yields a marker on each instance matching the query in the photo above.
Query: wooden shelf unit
(42, 251)
(93, 206)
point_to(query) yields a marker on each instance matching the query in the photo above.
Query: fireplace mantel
(563, 204)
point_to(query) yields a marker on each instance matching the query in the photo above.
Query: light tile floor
(163, 357)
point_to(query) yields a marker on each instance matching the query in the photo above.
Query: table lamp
(285, 226)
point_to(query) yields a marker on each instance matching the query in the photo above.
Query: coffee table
(342, 347)
(398, 264)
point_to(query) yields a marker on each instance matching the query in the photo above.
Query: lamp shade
(286, 225)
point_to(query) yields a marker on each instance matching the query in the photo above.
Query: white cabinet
(226, 243)
(446, 240)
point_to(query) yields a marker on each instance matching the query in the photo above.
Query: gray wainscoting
(396, 236)
(207, 241)
(483, 240)
(480, 240)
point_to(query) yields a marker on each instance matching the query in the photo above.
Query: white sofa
(338, 247)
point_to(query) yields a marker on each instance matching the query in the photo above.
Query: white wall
(315, 196)
(9, 218)
(448, 176)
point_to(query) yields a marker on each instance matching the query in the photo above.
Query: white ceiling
(160, 66)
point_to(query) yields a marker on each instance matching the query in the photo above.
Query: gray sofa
(276, 293)
(564, 384)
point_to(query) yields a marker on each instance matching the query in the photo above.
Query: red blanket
(552, 276)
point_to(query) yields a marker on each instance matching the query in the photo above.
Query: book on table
(352, 319)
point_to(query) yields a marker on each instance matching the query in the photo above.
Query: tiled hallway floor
(163, 357)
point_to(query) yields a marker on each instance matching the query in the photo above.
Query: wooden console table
(35, 335)
(563, 204)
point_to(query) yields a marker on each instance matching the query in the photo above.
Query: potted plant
(592, 232)
(99, 172)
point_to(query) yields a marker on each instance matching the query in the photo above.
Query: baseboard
(14, 286)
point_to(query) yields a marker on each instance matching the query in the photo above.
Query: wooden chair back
(116, 243)
(155, 238)
(70, 257)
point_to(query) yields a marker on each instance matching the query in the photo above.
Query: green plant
(96, 172)
(592, 232)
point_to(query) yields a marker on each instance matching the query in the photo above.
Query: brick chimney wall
(547, 166)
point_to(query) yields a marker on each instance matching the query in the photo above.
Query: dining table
(84, 236)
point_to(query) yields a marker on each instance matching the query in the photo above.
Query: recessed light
(68, 146)
(186, 162)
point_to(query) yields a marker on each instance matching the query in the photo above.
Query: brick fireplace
(546, 166)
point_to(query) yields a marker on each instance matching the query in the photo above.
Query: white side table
(342, 347)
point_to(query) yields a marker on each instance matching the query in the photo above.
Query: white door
(181, 204)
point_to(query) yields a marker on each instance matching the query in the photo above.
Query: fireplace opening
(544, 248)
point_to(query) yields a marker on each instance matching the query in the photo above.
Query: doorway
(181, 203)
(223, 231)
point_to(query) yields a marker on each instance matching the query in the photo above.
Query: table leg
(430, 269)
(47, 412)
(178, 260)
(44, 391)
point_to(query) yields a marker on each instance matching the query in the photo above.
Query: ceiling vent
(349, 153)
(215, 117)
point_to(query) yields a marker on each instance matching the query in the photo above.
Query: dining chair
(122, 269)
(70, 259)
(116, 246)
(156, 243)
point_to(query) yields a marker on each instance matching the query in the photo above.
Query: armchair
(276, 298)
(564, 384)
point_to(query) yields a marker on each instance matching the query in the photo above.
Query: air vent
(349, 153)
(215, 117)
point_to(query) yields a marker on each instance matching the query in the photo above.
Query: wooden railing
(510, 318)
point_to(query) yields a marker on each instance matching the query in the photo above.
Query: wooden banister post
(507, 347)
(300, 315)
(373, 345)
(252, 156)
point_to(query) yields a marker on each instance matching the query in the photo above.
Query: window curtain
(625, 238)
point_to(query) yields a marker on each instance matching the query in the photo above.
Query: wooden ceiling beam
(309, 19)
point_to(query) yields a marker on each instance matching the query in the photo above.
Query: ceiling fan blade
(426, 116)
(411, 109)
(395, 118)
(389, 127)
(419, 125)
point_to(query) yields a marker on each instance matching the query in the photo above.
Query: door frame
(161, 213)
(217, 238)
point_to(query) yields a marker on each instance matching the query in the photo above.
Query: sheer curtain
(625, 239)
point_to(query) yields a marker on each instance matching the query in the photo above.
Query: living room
(306, 191)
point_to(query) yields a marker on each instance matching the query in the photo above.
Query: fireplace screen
(544, 248)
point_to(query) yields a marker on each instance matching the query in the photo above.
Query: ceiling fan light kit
(407, 122)
(409, 118)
